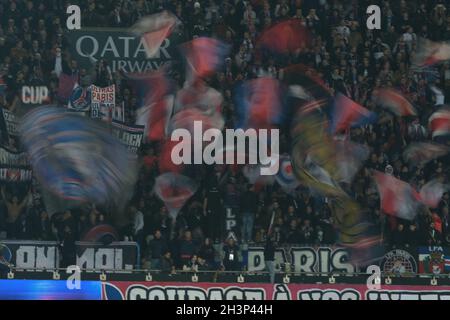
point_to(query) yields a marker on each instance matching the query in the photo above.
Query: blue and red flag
(347, 114)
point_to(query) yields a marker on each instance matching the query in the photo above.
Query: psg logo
(80, 99)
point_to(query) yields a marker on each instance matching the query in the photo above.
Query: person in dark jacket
(207, 252)
(269, 258)
(230, 259)
(167, 263)
(249, 207)
(157, 246)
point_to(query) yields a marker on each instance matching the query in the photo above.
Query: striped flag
(204, 56)
(154, 29)
(439, 122)
(447, 263)
(394, 101)
(347, 113)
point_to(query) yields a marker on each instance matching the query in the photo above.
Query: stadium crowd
(350, 59)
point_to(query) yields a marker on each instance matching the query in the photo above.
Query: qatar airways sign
(121, 49)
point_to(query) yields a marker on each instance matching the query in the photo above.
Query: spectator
(231, 259)
(249, 207)
(207, 252)
(167, 265)
(269, 258)
(157, 246)
(187, 248)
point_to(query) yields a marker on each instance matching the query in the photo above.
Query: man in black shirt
(269, 258)
(213, 210)
(249, 206)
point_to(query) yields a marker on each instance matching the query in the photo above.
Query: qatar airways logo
(237, 147)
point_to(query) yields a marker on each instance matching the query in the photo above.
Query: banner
(130, 135)
(80, 99)
(121, 49)
(8, 126)
(119, 290)
(329, 259)
(28, 255)
(14, 166)
(103, 102)
(117, 255)
(434, 260)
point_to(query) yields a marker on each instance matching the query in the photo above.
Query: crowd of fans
(350, 58)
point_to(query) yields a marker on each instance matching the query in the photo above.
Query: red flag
(66, 85)
(285, 37)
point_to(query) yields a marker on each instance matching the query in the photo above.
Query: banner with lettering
(14, 166)
(29, 255)
(130, 135)
(120, 48)
(8, 126)
(103, 101)
(304, 259)
(122, 290)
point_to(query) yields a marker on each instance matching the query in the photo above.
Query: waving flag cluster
(400, 199)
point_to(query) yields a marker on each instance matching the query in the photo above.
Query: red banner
(259, 291)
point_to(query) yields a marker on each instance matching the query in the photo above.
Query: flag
(431, 260)
(80, 99)
(204, 56)
(348, 113)
(285, 37)
(429, 53)
(174, 190)
(447, 262)
(66, 86)
(439, 122)
(304, 83)
(156, 98)
(154, 29)
(432, 192)
(394, 101)
(423, 152)
(76, 159)
(259, 103)
(397, 197)
(349, 159)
